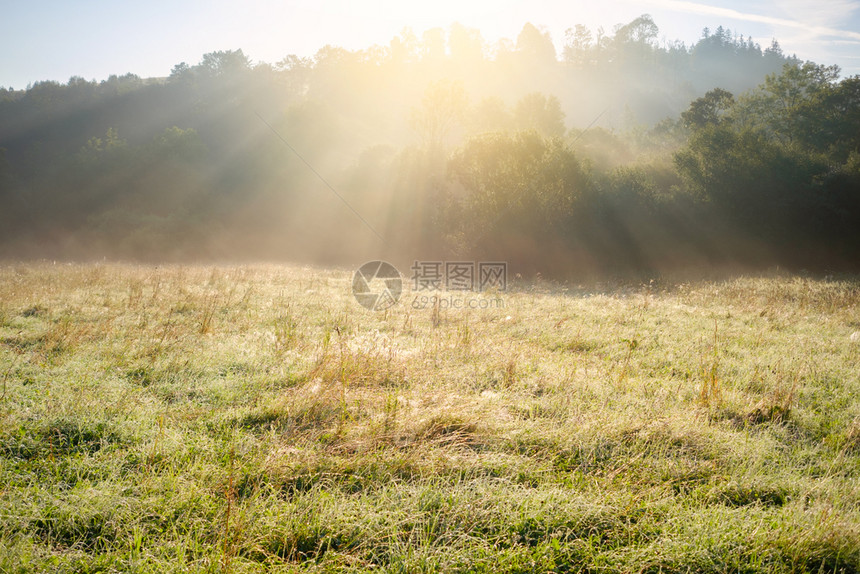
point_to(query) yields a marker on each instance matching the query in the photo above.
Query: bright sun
(495, 19)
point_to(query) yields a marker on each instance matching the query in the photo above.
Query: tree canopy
(621, 152)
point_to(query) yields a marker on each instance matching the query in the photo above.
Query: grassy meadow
(255, 419)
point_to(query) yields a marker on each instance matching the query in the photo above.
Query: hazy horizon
(93, 40)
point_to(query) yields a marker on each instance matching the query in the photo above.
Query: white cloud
(817, 22)
(827, 13)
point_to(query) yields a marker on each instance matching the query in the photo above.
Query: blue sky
(53, 40)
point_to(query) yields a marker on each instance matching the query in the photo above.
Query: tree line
(617, 154)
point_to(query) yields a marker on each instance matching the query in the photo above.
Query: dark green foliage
(775, 166)
(708, 109)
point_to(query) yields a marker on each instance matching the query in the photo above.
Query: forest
(621, 153)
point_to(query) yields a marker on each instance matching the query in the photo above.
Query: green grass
(255, 419)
